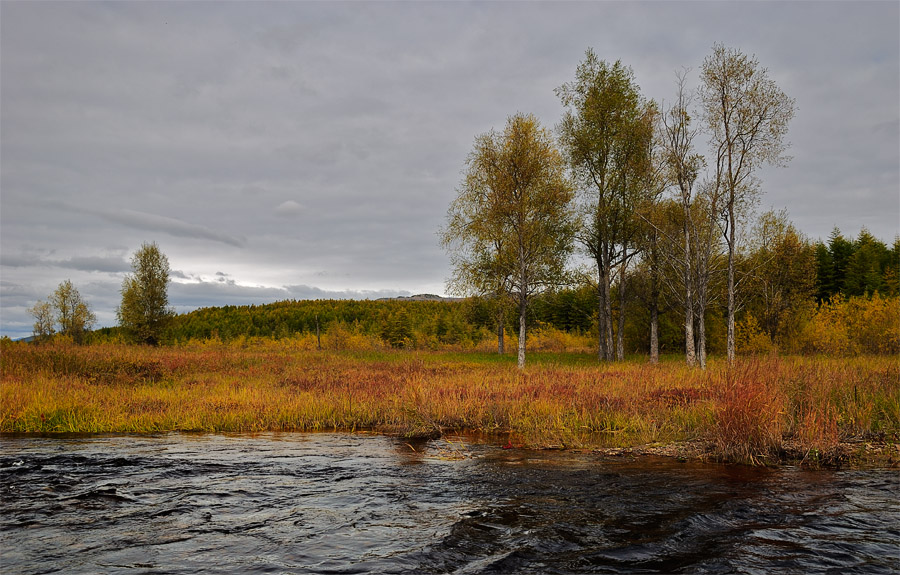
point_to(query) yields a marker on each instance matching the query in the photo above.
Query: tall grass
(753, 412)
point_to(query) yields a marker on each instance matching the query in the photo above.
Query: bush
(750, 338)
(858, 325)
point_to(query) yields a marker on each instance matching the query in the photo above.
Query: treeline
(837, 297)
(392, 323)
(856, 267)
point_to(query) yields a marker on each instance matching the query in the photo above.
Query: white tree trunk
(522, 338)
(701, 327)
(731, 302)
(689, 349)
(620, 334)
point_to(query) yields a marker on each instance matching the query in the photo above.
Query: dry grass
(753, 412)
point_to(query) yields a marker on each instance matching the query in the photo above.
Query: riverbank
(814, 410)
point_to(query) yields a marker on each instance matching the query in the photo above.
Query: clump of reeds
(749, 412)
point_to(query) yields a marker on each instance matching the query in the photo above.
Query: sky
(305, 150)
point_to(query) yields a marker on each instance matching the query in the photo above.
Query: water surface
(343, 503)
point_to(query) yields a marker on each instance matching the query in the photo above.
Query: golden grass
(749, 413)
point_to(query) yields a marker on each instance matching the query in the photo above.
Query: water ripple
(341, 503)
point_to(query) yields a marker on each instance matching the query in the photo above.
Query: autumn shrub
(549, 338)
(750, 339)
(854, 326)
(874, 324)
(343, 337)
(488, 342)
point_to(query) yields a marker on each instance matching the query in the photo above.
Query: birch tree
(602, 135)
(510, 228)
(145, 309)
(747, 116)
(677, 135)
(73, 314)
(43, 320)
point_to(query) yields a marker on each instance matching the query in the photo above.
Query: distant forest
(839, 296)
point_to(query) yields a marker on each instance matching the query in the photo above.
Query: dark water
(339, 503)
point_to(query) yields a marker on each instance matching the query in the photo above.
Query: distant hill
(422, 312)
(421, 297)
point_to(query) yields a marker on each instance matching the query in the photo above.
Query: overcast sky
(298, 150)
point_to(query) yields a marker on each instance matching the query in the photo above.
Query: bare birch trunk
(601, 324)
(620, 334)
(609, 322)
(654, 304)
(603, 317)
(521, 362)
(701, 327)
(731, 346)
(689, 349)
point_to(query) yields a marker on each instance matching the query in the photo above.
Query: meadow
(765, 409)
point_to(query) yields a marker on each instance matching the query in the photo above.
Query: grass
(761, 410)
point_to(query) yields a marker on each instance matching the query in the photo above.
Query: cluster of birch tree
(626, 181)
(64, 312)
(143, 313)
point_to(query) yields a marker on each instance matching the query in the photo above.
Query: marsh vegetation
(760, 410)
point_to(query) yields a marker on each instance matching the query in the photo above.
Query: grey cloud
(172, 226)
(17, 260)
(18, 295)
(104, 264)
(98, 264)
(288, 209)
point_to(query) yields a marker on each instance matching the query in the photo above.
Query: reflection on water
(341, 503)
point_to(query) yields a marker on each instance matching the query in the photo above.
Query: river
(361, 503)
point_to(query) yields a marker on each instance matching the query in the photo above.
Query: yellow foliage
(858, 325)
(749, 337)
(340, 337)
(549, 338)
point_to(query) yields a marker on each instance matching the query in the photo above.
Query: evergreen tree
(864, 266)
(841, 249)
(824, 272)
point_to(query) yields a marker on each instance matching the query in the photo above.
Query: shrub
(858, 325)
(750, 338)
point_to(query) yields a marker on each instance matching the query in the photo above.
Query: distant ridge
(421, 297)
